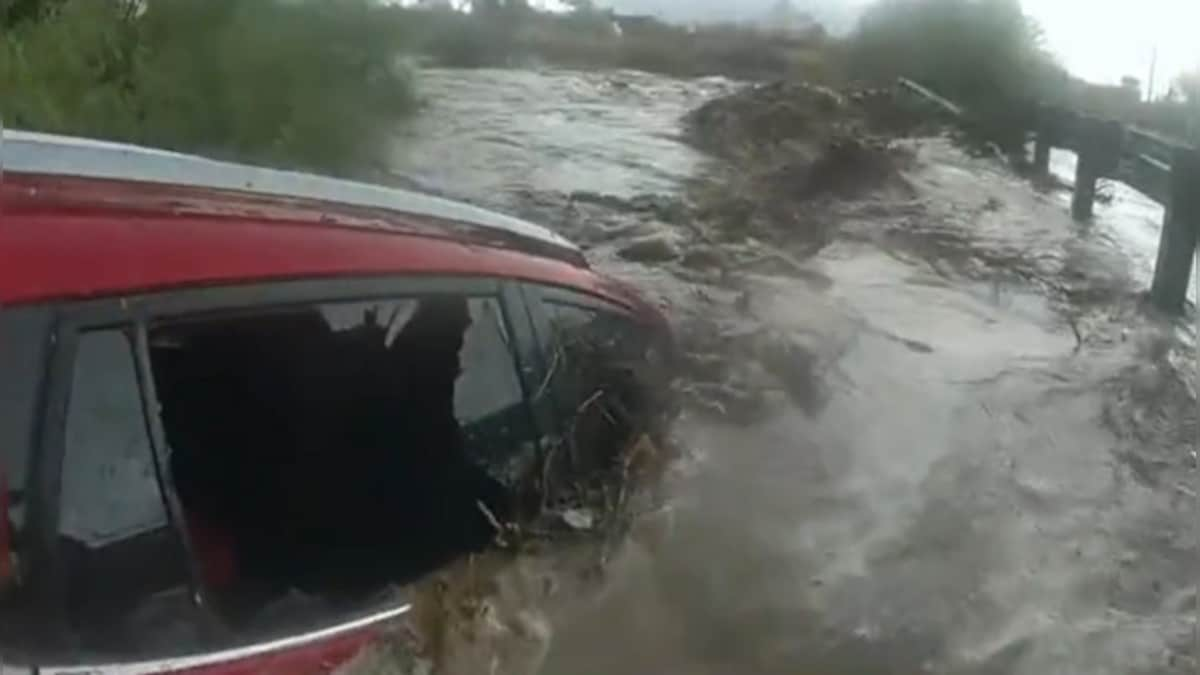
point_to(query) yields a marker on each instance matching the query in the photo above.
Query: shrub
(303, 83)
(70, 72)
(977, 52)
(983, 54)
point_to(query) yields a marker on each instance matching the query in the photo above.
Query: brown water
(989, 468)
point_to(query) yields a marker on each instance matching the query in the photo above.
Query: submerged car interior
(322, 457)
(320, 451)
(292, 463)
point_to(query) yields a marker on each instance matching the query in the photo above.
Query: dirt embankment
(791, 149)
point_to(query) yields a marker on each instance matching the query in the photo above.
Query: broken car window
(392, 315)
(488, 383)
(332, 449)
(488, 399)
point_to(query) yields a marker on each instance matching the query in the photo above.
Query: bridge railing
(1163, 169)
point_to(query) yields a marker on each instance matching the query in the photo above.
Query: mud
(931, 426)
(754, 118)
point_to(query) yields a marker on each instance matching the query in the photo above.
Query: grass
(303, 83)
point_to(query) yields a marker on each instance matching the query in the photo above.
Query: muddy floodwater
(966, 445)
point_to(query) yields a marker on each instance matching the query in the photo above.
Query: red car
(241, 409)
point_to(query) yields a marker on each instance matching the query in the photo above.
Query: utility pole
(1153, 67)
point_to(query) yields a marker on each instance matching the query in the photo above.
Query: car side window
(570, 340)
(109, 486)
(488, 383)
(489, 401)
(596, 358)
(488, 397)
(312, 454)
(122, 561)
(329, 449)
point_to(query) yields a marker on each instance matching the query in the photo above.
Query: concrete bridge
(1166, 170)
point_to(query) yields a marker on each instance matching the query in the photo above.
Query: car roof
(82, 218)
(56, 155)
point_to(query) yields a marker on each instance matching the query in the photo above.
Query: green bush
(985, 55)
(300, 83)
(977, 52)
(70, 72)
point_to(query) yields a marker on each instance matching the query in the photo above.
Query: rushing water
(490, 133)
(1132, 220)
(994, 480)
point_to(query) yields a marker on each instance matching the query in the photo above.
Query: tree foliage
(979, 52)
(984, 54)
(306, 83)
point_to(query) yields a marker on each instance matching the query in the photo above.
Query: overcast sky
(1118, 37)
(1100, 40)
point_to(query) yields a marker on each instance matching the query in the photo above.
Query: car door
(123, 583)
(24, 620)
(93, 513)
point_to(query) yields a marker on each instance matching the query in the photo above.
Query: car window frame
(537, 296)
(555, 405)
(27, 346)
(72, 321)
(137, 312)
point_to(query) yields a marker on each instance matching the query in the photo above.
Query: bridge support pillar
(1180, 233)
(1084, 199)
(1098, 150)
(1047, 137)
(1041, 156)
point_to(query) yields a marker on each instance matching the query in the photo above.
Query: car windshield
(882, 358)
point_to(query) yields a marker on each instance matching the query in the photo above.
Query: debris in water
(791, 150)
(495, 523)
(701, 257)
(660, 247)
(579, 519)
(765, 114)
